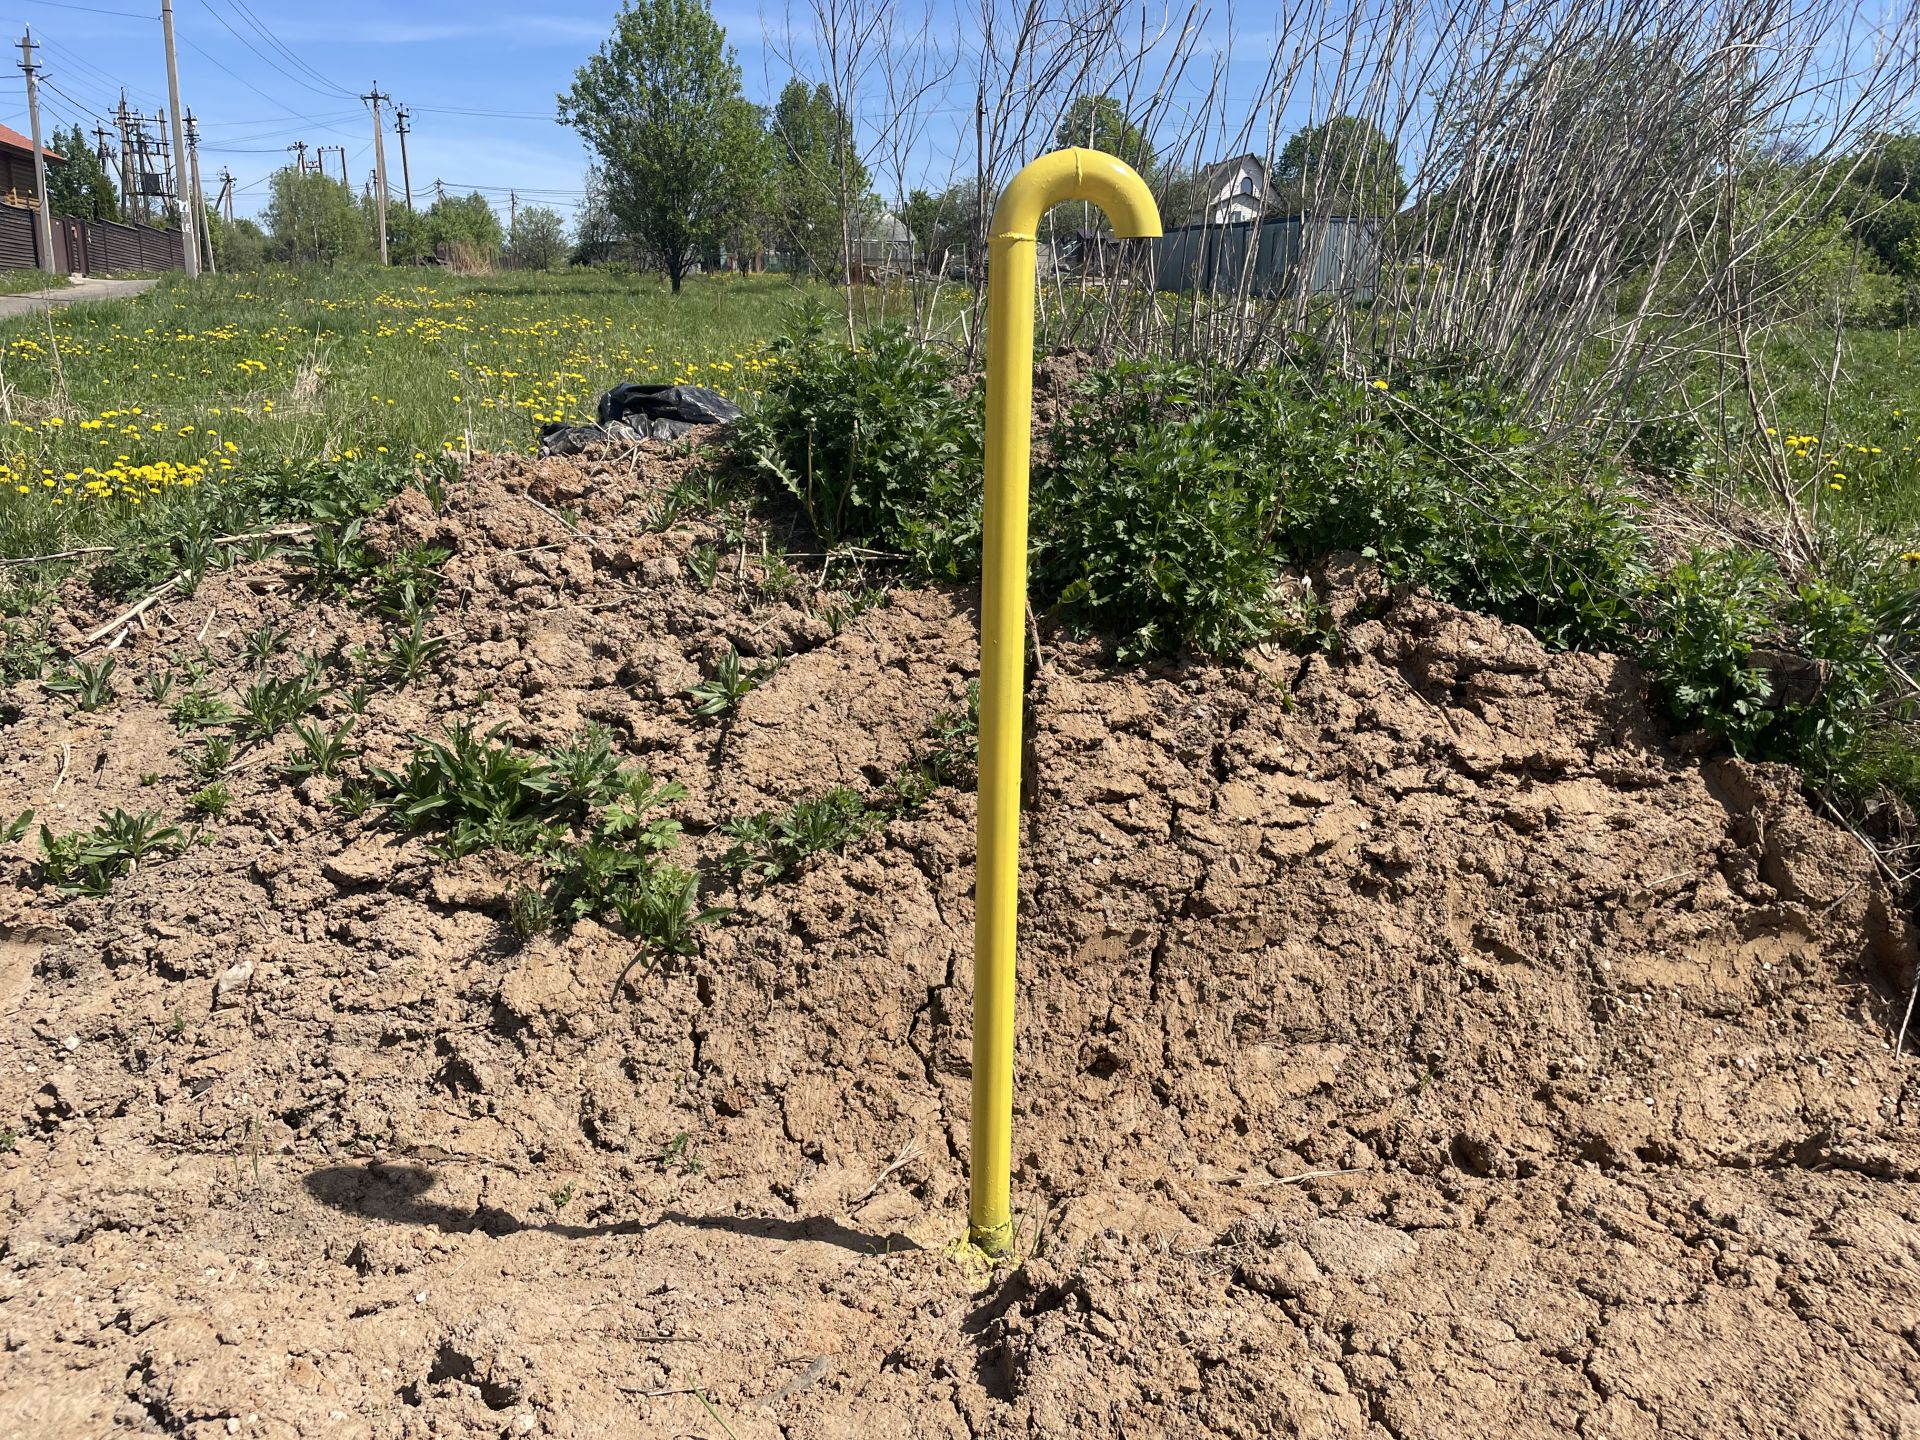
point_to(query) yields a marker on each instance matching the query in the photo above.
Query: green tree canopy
(314, 220)
(660, 104)
(80, 188)
(538, 239)
(818, 186)
(1098, 122)
(239, 246)
(1882, 200)
(1346, 165)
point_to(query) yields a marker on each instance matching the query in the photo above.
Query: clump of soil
(1412, 1043)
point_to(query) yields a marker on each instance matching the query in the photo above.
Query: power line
(274, 40)
(270, 99)
(96, 10)
(335, 93)
(487, 114)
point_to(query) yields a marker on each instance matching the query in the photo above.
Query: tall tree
(538, 239)
(1345, 165)
(596, 229)
(1099, 122)
(660, 104)
(817, 177)
(80, 188)
(314, 220)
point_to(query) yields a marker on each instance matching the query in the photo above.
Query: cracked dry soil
(1413, 1043)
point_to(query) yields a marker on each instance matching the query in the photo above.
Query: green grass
(116, 407)
(30, 282)
(1870, 440)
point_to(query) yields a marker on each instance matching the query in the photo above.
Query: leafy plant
(470, 786)
(263, 644)
(88, 862)
(212, 800)
(730, 683)
(272, 702)
(158, 686)
(704, 561)
(89, 684)
(321, 749)
(197, 710)
(17, 827)
(212, 759)
(529, 911)
(876, 444)
(25, 650)
(355, 799)
(773, 845)
(412, 652)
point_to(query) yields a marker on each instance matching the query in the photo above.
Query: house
(1231, 190)
(17, 185)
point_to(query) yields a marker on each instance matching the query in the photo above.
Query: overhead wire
(331, 90)
(261, 28)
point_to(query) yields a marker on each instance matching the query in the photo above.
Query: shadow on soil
(382, 1190)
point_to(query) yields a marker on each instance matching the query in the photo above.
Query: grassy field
(1861, 458)
(109, 408)
(30, 282)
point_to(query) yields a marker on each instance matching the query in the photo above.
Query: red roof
(14, 140)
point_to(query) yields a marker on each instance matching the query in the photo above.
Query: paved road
(12, 305)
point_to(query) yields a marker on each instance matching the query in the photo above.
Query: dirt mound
(1412, 1043)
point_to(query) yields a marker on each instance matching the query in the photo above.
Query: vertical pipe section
(1108, 182)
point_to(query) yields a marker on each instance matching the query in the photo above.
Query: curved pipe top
(1078, 174)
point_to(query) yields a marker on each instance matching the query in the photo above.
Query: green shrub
(1710, 613)
(875, 444)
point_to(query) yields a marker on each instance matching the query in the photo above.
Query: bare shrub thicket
(1596, 194)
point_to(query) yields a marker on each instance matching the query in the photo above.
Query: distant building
(1231, 190)
(17, 185)
(885, 240)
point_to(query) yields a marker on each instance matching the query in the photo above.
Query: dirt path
(89, 289)
(1413, 1043)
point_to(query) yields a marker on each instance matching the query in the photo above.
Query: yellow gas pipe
(1110, 183)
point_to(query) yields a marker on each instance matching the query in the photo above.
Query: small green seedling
(263, 644)
(212, 801)
(269, 704)
(730, 683)
(212, 759)
(88, 862)
(90, 685)
(197, 710)
(320, 750)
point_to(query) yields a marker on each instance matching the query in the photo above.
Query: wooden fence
(87, 247)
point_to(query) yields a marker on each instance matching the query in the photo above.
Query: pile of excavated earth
(1414, 1041)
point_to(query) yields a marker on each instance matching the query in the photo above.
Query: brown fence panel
(122, 246)
(16, 239)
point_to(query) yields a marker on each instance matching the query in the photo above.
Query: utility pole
(406, 175)
(199, 196)
(226, 194)
(343, 166)
(513, 209)
(439, 190)
(127, 200)
(300, 156)
(190, 224)
(379, 169)
(100, 146)
(44, 214)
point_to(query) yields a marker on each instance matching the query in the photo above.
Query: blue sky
(477, 76)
